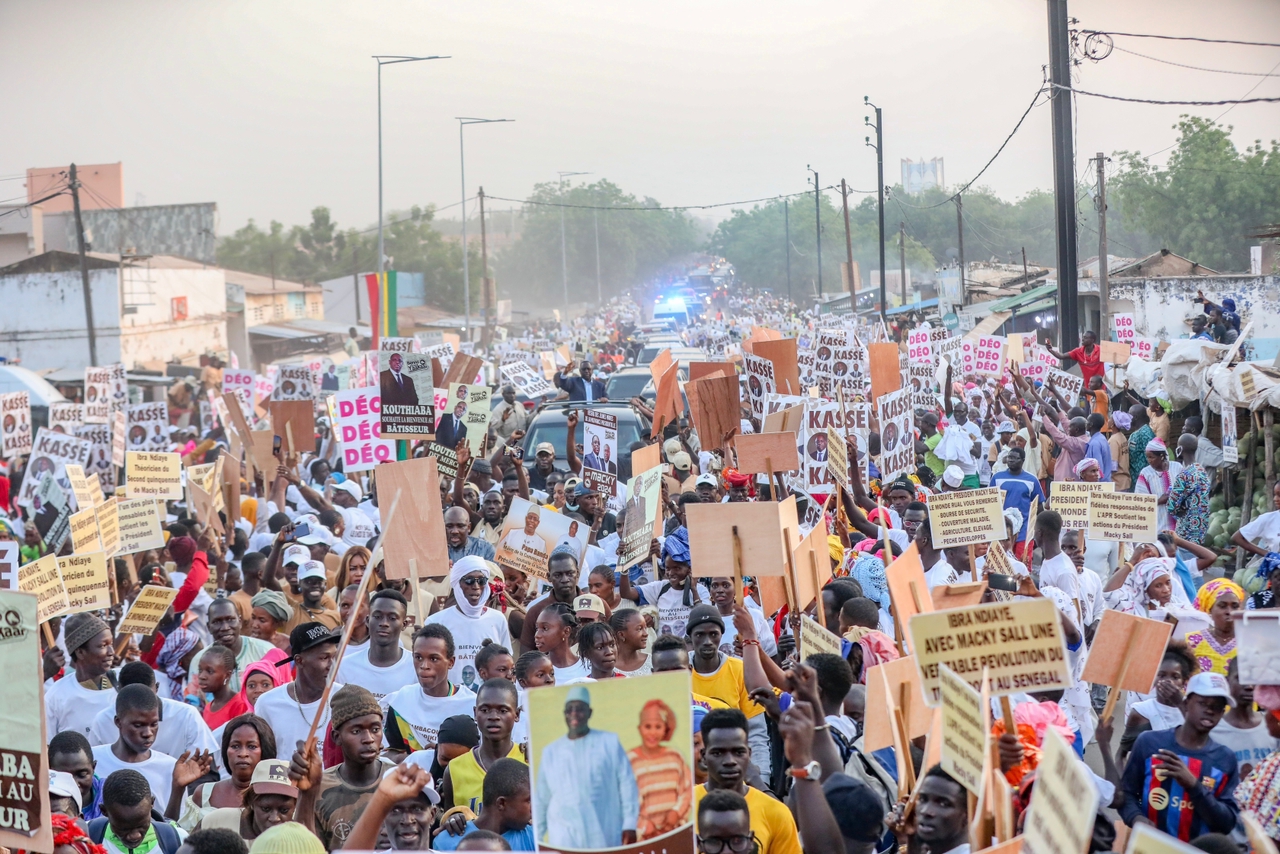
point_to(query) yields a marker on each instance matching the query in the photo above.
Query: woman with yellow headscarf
(1215, 646)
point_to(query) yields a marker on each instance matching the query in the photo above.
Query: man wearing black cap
(74, 701)
(589, 504)
(291, 708)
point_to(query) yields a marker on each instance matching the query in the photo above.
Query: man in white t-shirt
(291, 708)
(72, 702)
(181, 728)
(383, 665)
(722, 596)
(470, 620)
(1057, 570)
(357, 529)
(138, 718)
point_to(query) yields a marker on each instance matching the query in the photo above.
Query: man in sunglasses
(724, 824)
(470, 620)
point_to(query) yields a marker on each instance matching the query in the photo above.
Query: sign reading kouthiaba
(967, 517)
(1019, 643)
(1122, 517)
(405, 381)
(897, 440)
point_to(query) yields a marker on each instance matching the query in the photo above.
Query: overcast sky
(269, 108)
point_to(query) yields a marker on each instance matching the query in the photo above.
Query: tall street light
(817, 212)
(564, 263)
(463, 121)
(879, 147)
(387, 60)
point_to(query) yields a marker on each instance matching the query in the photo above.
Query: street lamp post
(564, 255)
(386, 60)
(463, 121)
(879, 147)
(817, 210)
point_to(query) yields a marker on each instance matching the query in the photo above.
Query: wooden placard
(812, 562)
(296, 418)
(962, 595)
(148, 609)
(699, 370)
(25, 776)
(786, 367)
(1060, 818)
(886, 374)
(1020, 643)
(42, 580)
(1124, 517)
(242, 429)
(463, 369)
(789, 420)
(899, 672)
(87, 581)
(760, 526)
(262, 451)
(666, 408)
(967, 517)
(202, 503)
(989, 324)
(151, 474)
(964, 741)
(717, 409)
(908, 589)
(417, 532)
(1114, 352)
(1126, 651)
(773, 592)
(766, 453)
(659, 365)
(643, 459)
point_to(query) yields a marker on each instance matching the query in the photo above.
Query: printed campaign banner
(600, 457)
(531, 533)
(15, 424)
(50, 454)
(407, 394)
(148, 427)
(293, 382)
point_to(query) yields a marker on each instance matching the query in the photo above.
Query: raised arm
(758, 669)
(464, 468)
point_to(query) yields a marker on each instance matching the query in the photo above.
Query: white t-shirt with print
(764, 632)
(424, 714)
(672, 612)
(289, 720)
(68, 705)
(355, 669)
(469, 634)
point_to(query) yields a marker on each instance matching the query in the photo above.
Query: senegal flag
(382, 305)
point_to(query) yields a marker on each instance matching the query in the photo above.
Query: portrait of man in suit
(451, 430)
(607, 465)
(818, 448)
(592, 458)
(397, 387)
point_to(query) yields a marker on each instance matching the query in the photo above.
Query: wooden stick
(790, 578)
(1006, 710)
(817, 586)
(49, 639)
(915, 596)
(909, 768)
(737, 567)
(288, 434)
(418, 615)
(346, 633)
(973, 562)
(1113, 694)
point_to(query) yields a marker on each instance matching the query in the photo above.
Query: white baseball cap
(297, 554)
(310, 569)
(351, 487)
(63, 785)
(1209, 684)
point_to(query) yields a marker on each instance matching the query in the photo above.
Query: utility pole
(487, 297)
(902, 258)
(84, 269)
(1104, 287)
(1064, 186)
(879, 147)
(848, 241)
(960, 228)
(786, 221)
(595, 220)
(817, 209)
(355, 283)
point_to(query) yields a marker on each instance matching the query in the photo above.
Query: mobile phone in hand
(996, 581)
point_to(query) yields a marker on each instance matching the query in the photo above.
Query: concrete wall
(150, 333)
(44, 323)
(1163, 307)
(104, 183)
(187, 231)
(21, 233)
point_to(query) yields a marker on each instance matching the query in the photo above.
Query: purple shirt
(1073, 451)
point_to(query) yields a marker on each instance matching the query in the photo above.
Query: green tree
(635, 245)
(1208, 196)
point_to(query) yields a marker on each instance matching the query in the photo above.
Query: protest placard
(668, 405)
(293, 382)
(580, 797)
(1068, 385)
(782, 352)
(891, 682)
(95, 489)
(965, 730)
(765, 453)
(908, 590)
(998, 562)
(1020, 643)
(760, 382)
(51, 512)
(42, 580)
(153, 475)
(714, 402)
(65, 417)
(816, 638)
(147, 427)
(812, 562)
(966, 517)
(119, 427)
(920, 382)
(407, 388)
(237, 380)
(97, 395)
(50, 454)
(1124, 517)
(759, 526)
(359, 429)
(530, 534)
(781, 416)
(920, 345)
(1070, 498)
(988, 355)
(643, 459)
(527, 381)
(138, 521)
(1146, 839)
(100, 465)
(897, 440)
(294, 421)
(79, 486)
(885, 374)
(1114, 352)
(465, 416)
(107, 515)
(853, 421)
(1126, 653)
(1064, 804)
(416, 534)
(600, 457)
(84, 532)
(15, 424)
(87, 583)
(24, 773)
(640, 515)
(837, 459)
(9, 556)
(147, 610)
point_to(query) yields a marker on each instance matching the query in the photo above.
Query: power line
(1166, 103)
(1196, 67)
(1178, 38)
(670, 207)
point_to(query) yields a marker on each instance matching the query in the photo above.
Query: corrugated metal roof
(1023, 298)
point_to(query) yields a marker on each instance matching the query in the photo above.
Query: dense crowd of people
(200, 735)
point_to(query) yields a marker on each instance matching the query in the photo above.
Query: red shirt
(1090, 363)
(235, 707)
